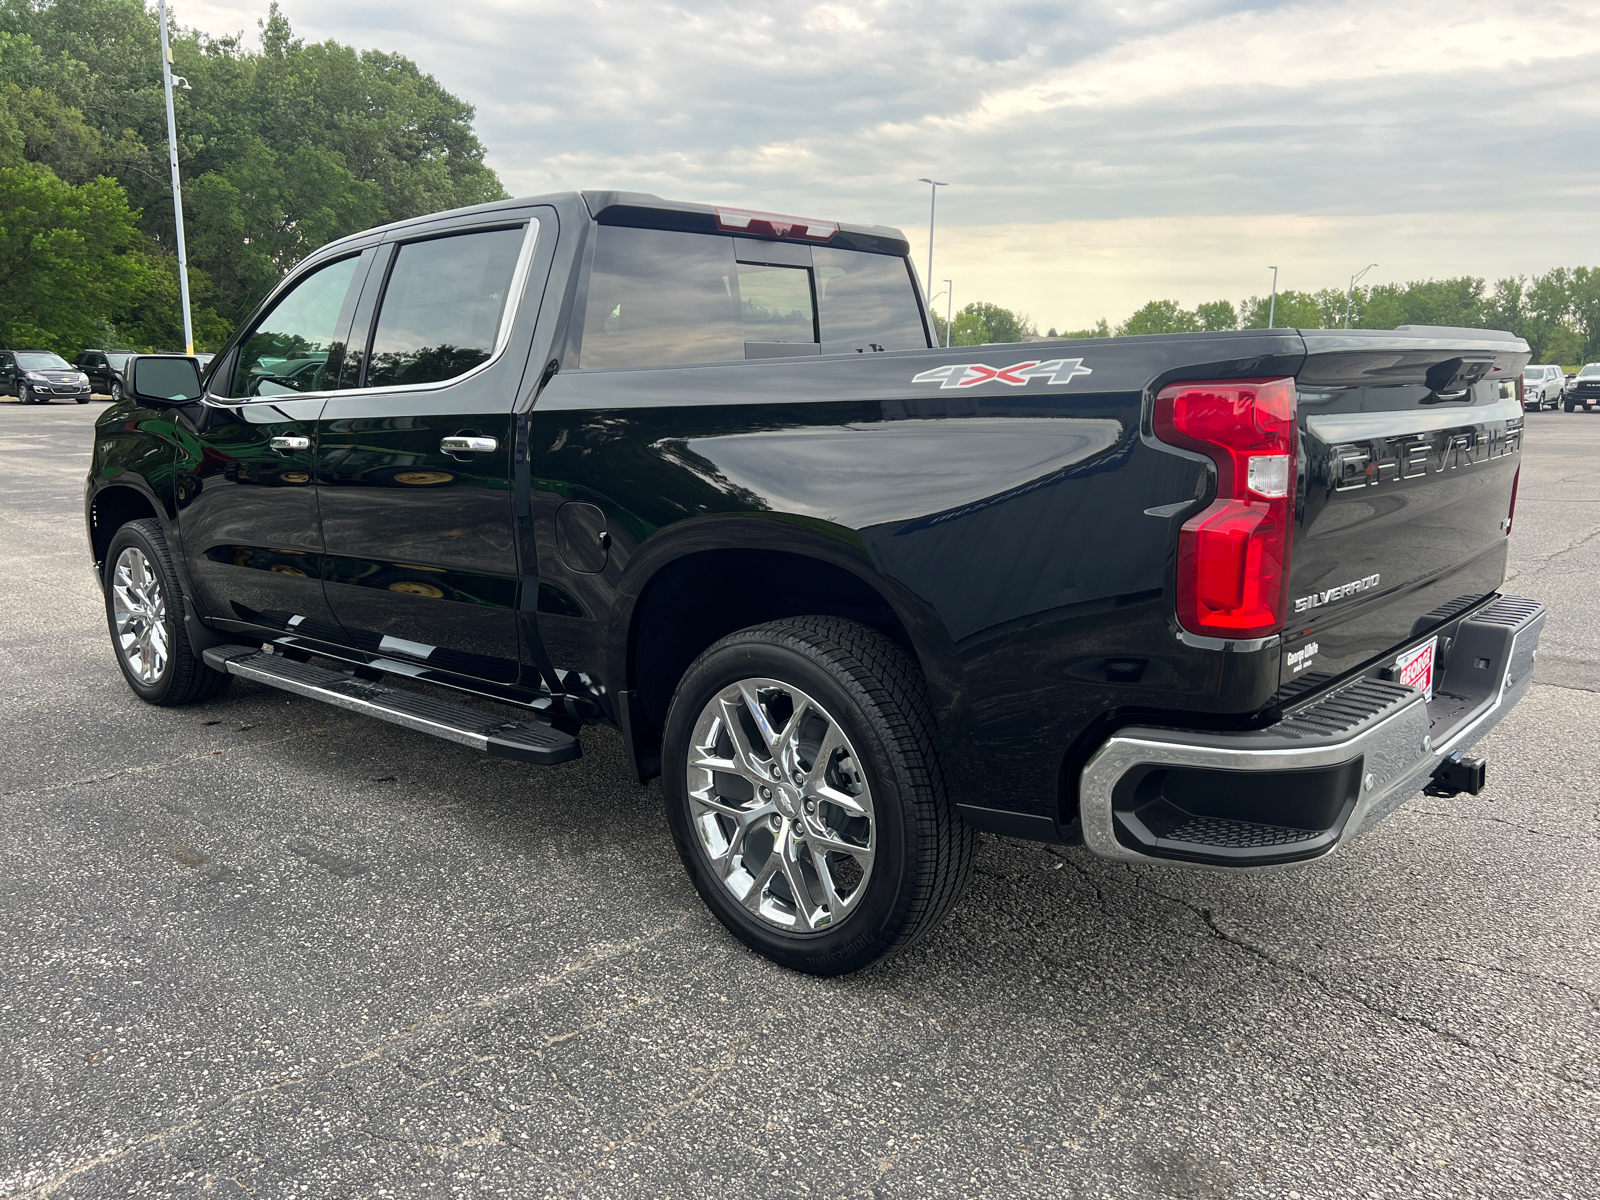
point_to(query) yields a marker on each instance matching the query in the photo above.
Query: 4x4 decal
(1056, 371)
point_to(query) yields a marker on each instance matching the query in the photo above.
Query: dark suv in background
(104, 369)
(40, 376)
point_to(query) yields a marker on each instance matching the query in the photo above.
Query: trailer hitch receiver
(1456, 774)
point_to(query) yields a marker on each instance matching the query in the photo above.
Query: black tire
(24, 393)
(116, 392)
(1568, 407)
(879, 699)
(84, 400)
(185, 678)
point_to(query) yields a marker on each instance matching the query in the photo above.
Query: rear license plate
(1415, 667)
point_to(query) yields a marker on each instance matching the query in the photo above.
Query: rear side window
(442, 306)
(658, 297)
(868, 302)
(663, 298)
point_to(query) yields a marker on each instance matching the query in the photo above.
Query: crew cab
(1220, 600)
(1584, 390)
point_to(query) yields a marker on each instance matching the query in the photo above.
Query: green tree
(980, 323)
(68, 259)
(1295, 310)
(282, 148)
(1099, 329)
(1160, 316)
(1217, 315)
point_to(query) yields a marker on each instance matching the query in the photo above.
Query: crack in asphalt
(147, 769)
(1208, 919)
(1433, 812)
(410, 1033)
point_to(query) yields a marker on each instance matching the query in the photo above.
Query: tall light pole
(1272, 309)
(1354, 279)
(177, 186)
(933, 199)
(949, 297)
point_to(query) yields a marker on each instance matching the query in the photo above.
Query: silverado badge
(1058, 371)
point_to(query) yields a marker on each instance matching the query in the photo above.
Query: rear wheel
(144, 610)
(116, 393)
(805, 794)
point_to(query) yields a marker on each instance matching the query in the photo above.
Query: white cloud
(1099, 155)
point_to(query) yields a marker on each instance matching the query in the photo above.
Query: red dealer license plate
(1415, 667)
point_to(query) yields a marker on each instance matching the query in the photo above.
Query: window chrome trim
(502, 338)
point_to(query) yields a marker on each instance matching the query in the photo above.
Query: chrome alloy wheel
(139, 608)
(781, 805)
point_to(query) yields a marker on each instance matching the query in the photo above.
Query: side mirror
(163, 380)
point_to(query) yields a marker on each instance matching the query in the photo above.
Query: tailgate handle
(1455, 375)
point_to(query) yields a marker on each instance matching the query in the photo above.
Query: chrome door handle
(469, 445)
(290, 443)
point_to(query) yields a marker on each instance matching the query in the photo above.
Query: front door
(246, 479)
(415, 465)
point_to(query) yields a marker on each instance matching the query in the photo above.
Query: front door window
(299, 346)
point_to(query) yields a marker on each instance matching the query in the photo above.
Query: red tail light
(1233, 559)
(738, 220)
(1511, 513)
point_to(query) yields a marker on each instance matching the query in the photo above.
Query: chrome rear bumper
(1327, 772)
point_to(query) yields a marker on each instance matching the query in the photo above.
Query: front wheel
(24, 394)
(144, 610)
(805, 794)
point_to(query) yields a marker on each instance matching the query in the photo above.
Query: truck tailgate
(1410, 442)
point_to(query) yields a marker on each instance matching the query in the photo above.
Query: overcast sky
(1098, 155)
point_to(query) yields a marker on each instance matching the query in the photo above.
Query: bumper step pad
(526, 741)
(1324, 773)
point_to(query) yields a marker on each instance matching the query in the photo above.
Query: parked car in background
(39, 376)
(1585, 389)
(104, 369)
(1542, 386)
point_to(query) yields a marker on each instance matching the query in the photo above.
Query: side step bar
(527, 741)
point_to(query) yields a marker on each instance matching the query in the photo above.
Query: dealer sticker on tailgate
(1415, 667)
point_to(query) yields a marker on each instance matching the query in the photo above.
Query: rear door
(1410, 447)
(415, 463)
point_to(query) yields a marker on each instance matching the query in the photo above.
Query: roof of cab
(634, 208)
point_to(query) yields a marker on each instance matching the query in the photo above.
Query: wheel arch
(112, 506)
(687, 591)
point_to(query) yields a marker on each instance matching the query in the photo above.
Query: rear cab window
(666, 298)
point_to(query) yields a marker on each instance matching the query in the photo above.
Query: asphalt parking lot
(270, 948)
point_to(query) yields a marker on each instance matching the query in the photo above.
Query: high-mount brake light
(1233, 558)
(738, 220)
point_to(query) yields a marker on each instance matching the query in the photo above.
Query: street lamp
(1272, 309)
(933, 197)
(1354, 279)
(177, 186)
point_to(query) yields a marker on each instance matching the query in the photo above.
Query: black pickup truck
(1221, 600)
